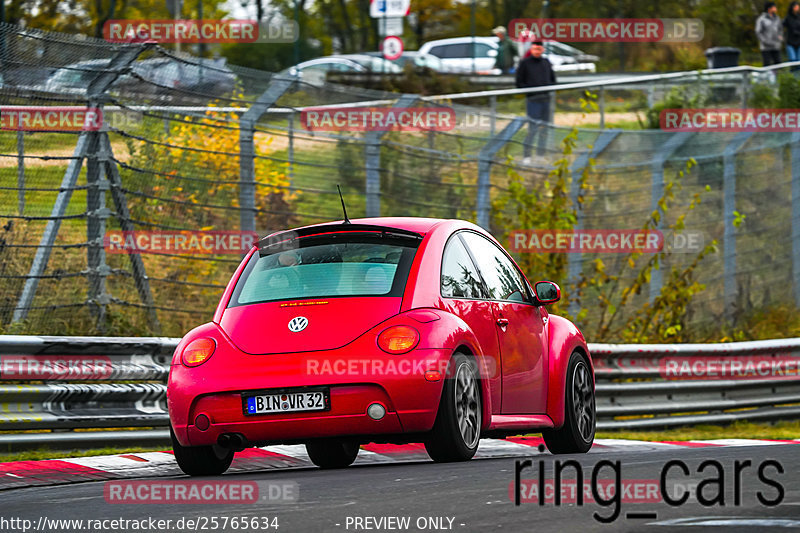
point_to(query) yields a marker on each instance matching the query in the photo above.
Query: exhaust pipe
(234, 441)
(237, 442)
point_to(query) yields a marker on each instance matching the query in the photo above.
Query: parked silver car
(478, 55)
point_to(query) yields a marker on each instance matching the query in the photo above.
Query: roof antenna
(344, 209)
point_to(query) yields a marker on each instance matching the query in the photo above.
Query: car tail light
(398, 339)
(198, 351)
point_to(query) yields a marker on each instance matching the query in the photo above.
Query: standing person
(506, 51)
(792, 25)
(536, 71)
(769, 30)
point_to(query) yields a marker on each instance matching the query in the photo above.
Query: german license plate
(286, 401)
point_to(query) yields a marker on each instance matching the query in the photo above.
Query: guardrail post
(20, 171)
(95, 91)
(657, 191)
(247, 152)
(574, 260)
(794, 148)
(729, 231)
(485, 158)
(372, 151)
(745, 88)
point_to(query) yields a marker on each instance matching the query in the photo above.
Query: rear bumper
(215, 388)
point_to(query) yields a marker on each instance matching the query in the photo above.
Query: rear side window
(459, 277)
(437, 51)
(345, 265)
(451, 51)
(502, 278)
(482, 49)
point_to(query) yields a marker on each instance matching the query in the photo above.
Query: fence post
(794, 148)
(96, 215)
(372, 153)
(575, 261)
(657, 191)
(493, 117)
(140, 278)
(729, 231)
(485, 158)
(601, 104)
(247, 152)
(95, 90)
(20, 171)
(290, 155)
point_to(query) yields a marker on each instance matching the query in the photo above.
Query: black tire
(332, 453)
(577, 433)
(457, 429)
(201, 460)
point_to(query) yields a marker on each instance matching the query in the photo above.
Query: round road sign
(392, 47)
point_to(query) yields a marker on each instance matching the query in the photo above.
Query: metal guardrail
(638, 387)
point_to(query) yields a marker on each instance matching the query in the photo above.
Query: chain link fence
(188, 144)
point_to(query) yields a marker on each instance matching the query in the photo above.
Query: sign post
(390, 24)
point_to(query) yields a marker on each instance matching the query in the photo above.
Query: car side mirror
(547, 292)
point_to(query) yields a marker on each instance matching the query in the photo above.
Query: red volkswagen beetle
(379, 330)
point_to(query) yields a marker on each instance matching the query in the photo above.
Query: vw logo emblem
(298, 323)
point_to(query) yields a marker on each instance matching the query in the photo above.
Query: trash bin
(723, 56)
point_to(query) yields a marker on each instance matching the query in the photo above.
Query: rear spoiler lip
(286, 236)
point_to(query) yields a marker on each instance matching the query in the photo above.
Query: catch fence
(190, 145)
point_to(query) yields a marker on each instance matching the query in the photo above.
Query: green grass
(737, 430)
(44, 453)
(39, 142)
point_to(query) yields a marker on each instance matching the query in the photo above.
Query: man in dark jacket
(536, 71)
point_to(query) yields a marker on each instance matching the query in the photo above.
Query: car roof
(419, 225)
(326, 59)
(459, 40)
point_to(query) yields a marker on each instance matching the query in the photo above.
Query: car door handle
(502, 322)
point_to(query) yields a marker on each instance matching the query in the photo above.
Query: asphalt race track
(474, 496)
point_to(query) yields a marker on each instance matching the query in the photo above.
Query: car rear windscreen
(358, 264)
